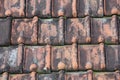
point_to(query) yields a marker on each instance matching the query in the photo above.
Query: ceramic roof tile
(59, 40)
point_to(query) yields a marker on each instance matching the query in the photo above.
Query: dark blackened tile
(22, 77)
(24, 31)
(64, 57)
(13, 8)
(11, 59)
(79, 75)
(91, 57)
(105, 76)
(5, 31)
(39, 55)
(64, 8)
(90, 7)
(118, 24)
(112, 57)
(41, 8)
(78, 28)
(111, 7)
(51, 31)
(104, 30)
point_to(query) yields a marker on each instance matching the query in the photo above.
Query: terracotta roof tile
(59, 40)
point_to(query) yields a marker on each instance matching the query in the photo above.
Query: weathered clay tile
(64, 8)
(11, 59)
(24, 31)
(5, 31)
(79, 28)
(90, 7)
(51, 76)
(91, 57)
(13, 8)
(39, 55)
(51, 31)
(22, 77)
(112, 57)
(79, 75)
(111, 7)
(106, 76)
(41, 8)
(64, 57)
(104, 30)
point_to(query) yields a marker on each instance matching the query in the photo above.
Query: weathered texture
(111, 7)
(64, 8)
(104, 30)
(22, 77)
(11, 59)
(79, 76)
(91, 57)
(13, 8)
(64, 57)
(51, 31)
(52, 76)
(105, 76)
(78, 28)
(24, 31)
(5, 31)
(112, 57)
(39, 55)
(41, 8)
(90, 7)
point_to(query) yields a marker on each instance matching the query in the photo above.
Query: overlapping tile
(104, 30)
(91, 57)
(78, 28)
(24, 31)
(5, 29)
(112, 57)
(64, 8)
(51, 76)
(111, 7)
(106, 76)
(51, 31)
(13, 8)
(79, 75)
(11, 59)
(90, 7)
(41, 8)
(64, 57)
(38, 55)
(22, 77)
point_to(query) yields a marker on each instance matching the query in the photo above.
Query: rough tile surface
(64, 57)
(104, 30)
(91, 57)
(38, 55)
(5, 29)
(59, 39)
(13, 8)
(51, 31)
(40, 8)
(90, 7)
(78, 28)
(24, 31)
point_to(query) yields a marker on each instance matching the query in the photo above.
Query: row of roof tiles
(44, 59)
(59, 31)
(55, 8)
(89, 75)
